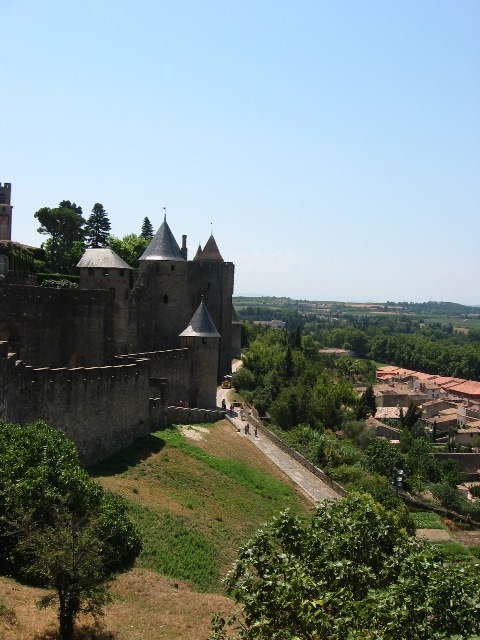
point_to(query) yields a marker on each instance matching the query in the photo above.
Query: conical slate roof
(103, 258)
(210, 251)
(163, 246)
(201, 325)
(199, 251)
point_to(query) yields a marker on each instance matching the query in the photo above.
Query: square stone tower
(5, 211)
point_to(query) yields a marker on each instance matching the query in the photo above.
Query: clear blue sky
(334, 146)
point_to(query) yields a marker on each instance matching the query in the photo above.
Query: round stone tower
(202, 339)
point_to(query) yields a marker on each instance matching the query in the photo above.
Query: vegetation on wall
(20, 258)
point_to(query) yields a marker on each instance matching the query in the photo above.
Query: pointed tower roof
(199, 251)
(210, 251)
(103, 258)
(235, 317)
(201, 325)
(163, 246)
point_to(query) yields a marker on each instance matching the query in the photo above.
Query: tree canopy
(352, 572)
(130, 247)
(64, 225)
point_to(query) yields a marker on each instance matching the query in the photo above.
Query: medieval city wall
(172, 364)
(101, 409)
(57, 326)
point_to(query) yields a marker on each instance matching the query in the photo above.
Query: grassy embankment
(196, 497)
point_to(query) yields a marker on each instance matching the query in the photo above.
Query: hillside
(197, 495)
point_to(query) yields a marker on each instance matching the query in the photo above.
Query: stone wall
(468, 462)
(101, 409)
(58, 327)
(189, 415)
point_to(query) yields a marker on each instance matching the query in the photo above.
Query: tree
(98, 227)
(297, 341)
(40, 475)
(66, 204)
(367, 405)
(413, 415)
(64, 225)
(147, 229)
(65, 555)
(130, 247)
(352, 572)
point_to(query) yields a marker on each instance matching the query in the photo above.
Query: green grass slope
(197, 500)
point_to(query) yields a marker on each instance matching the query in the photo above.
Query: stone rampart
(57, 326)
(101, 409)
(468, 462)
(174, 362)
(189, 415)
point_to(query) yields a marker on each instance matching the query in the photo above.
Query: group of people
(243, 416)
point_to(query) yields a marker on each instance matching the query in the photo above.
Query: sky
(332, 147)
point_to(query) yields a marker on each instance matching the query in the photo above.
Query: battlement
(7, 186)
(102, 409)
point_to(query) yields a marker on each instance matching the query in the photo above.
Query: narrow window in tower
(113, 291)
(204, 341)
(121, 272)
(165, 299)
(105, 272)
(172, 267)
(208, 285)
(91, 272)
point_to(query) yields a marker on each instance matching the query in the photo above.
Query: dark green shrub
(39, 474)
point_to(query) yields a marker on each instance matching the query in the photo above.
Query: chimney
(184, 250)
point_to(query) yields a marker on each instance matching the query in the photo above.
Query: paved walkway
(311, 484)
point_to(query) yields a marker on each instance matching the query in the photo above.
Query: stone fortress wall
(102, 409)
(58, 327)
(104, 361)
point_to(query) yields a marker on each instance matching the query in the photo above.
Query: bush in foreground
(352, 572)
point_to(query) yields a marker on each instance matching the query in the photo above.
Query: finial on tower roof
(165, 214)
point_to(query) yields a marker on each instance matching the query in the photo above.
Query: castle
(109, 360)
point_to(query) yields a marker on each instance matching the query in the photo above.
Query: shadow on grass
(139, 450)
(82, 632)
